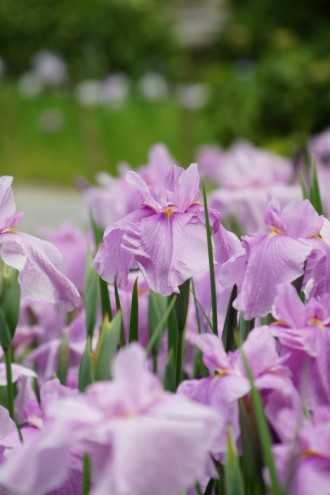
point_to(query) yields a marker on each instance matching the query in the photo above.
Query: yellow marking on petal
(316, 235)
(273, 233)
(314, 322)
(128, 415)
(168, 211)
(220, 373)
(196, 203)
(279, 322)
(310, 453)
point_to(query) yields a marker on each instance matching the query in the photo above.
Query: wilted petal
(39, 264)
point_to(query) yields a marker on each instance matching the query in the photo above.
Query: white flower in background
(193, 96)
(114, 90)
(88, 92)
(51, 121)
(153, 86)
(30, 85)
(50, 68)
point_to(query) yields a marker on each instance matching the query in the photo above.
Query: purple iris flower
(276, 257)
(165, 237)
(128, 426)
(304, 334)
(39, 263)
(228, 381)
(303, 459)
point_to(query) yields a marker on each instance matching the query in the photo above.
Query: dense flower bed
(161, 353)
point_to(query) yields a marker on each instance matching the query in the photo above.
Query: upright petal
(151, 244)
(187, 188)
(288, 307)
(8, 216)
(168, 250)
(214, 355)
(300, 219)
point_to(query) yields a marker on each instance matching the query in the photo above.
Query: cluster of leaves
(94, 38)
(273, 76)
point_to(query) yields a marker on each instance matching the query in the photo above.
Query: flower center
(315, 322)
(169, 210)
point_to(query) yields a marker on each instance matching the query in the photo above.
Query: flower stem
(10, 386)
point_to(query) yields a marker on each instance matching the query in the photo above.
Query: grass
(90, 139)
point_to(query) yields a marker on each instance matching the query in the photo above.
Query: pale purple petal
(7, 425)
(214, 355)
(187, 188)
(147, 442)
(299, 219)
(39, 264)
(17, 370)
(146, 192)
(112, 261)
(131, 374)
(288, 307)
(272, 260)
(8, 216)
(168, 250)
(260, 351)
(40, 465)
(226, 245)
(318, 271)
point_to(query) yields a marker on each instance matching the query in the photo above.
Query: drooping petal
(112, 261)
(39, 264)
(318, 271)
(17, 372)
(42, 464)
(140, 462)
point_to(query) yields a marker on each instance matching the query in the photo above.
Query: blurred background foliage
(94, 37)
(266, 70)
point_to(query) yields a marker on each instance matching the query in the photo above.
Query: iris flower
(165, 237)
(39, 263)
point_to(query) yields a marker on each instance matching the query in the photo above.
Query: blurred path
(45, 206)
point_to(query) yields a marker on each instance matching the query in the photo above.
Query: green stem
(86, 475)
(211, 265)
(179, 357)
(10, 386)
